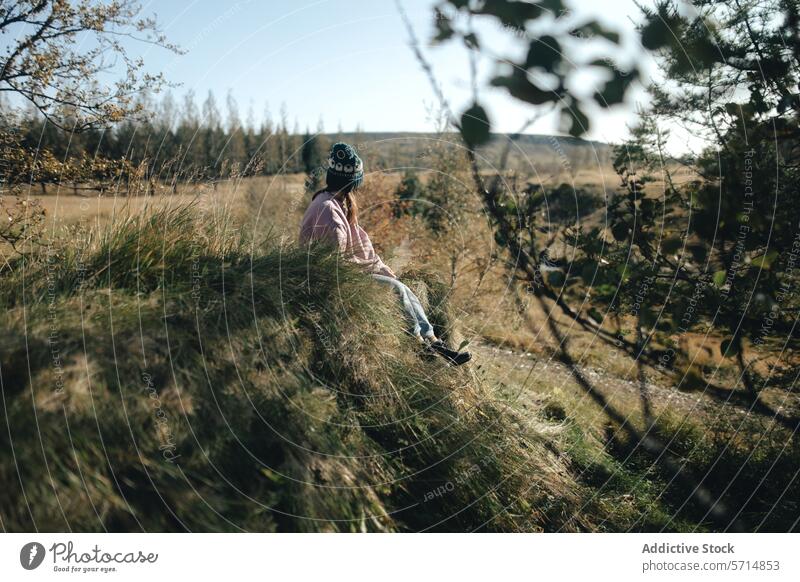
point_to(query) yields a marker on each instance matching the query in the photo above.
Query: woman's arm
(368, 255)
(331, 225)
(325, 225)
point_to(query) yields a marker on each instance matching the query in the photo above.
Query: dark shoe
(451, 356)
(426, 352)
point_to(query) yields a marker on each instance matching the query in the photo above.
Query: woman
(332, 216)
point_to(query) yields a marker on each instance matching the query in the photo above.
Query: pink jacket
(326, 220)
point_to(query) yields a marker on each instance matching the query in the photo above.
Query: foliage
(721, 246)
(443, 203)
(44, 65)
(717, 251)
(409, 195)
(757, 474)
(561, 47)
(312, 157)
(21, 222)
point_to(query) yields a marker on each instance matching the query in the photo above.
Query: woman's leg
(411, 305)
(422, 327)
(426, 329)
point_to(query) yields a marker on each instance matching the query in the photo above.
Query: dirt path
(543, 377)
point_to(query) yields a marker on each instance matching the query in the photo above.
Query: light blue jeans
(411, 305)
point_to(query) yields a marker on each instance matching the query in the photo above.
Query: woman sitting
(332, 216)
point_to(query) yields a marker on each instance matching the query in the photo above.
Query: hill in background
(530, 154)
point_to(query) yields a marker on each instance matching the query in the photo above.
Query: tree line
(168, 141)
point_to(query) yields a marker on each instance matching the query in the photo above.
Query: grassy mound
(170, 374)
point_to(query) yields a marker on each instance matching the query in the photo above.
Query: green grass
(750, 466)
(169, 374)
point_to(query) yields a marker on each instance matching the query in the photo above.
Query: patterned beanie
(344, 167)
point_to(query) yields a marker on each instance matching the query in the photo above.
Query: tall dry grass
(169, 372)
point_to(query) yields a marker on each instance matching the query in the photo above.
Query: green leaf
(579, 122)
(519, 86)
(765, 260)
(271, 475)
(510, 12)
(656, 33)
(588, 271)
(555, 278)
(704, 51)
(719, 278)
(647, 317)
(729, 347)
(692, 379)
(699, 251)
(671, 245)
(733, 109)
(594, 29)
(544, 52)
(666, 323)
(595, 314)
(614, 90)
(462, 345)
(443, 29)
(620, 231)
(647, 206)
(475, 126)
(605, 63)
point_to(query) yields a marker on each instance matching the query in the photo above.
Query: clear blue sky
(347, 63)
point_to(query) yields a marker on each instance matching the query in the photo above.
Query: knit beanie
(344, 167)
